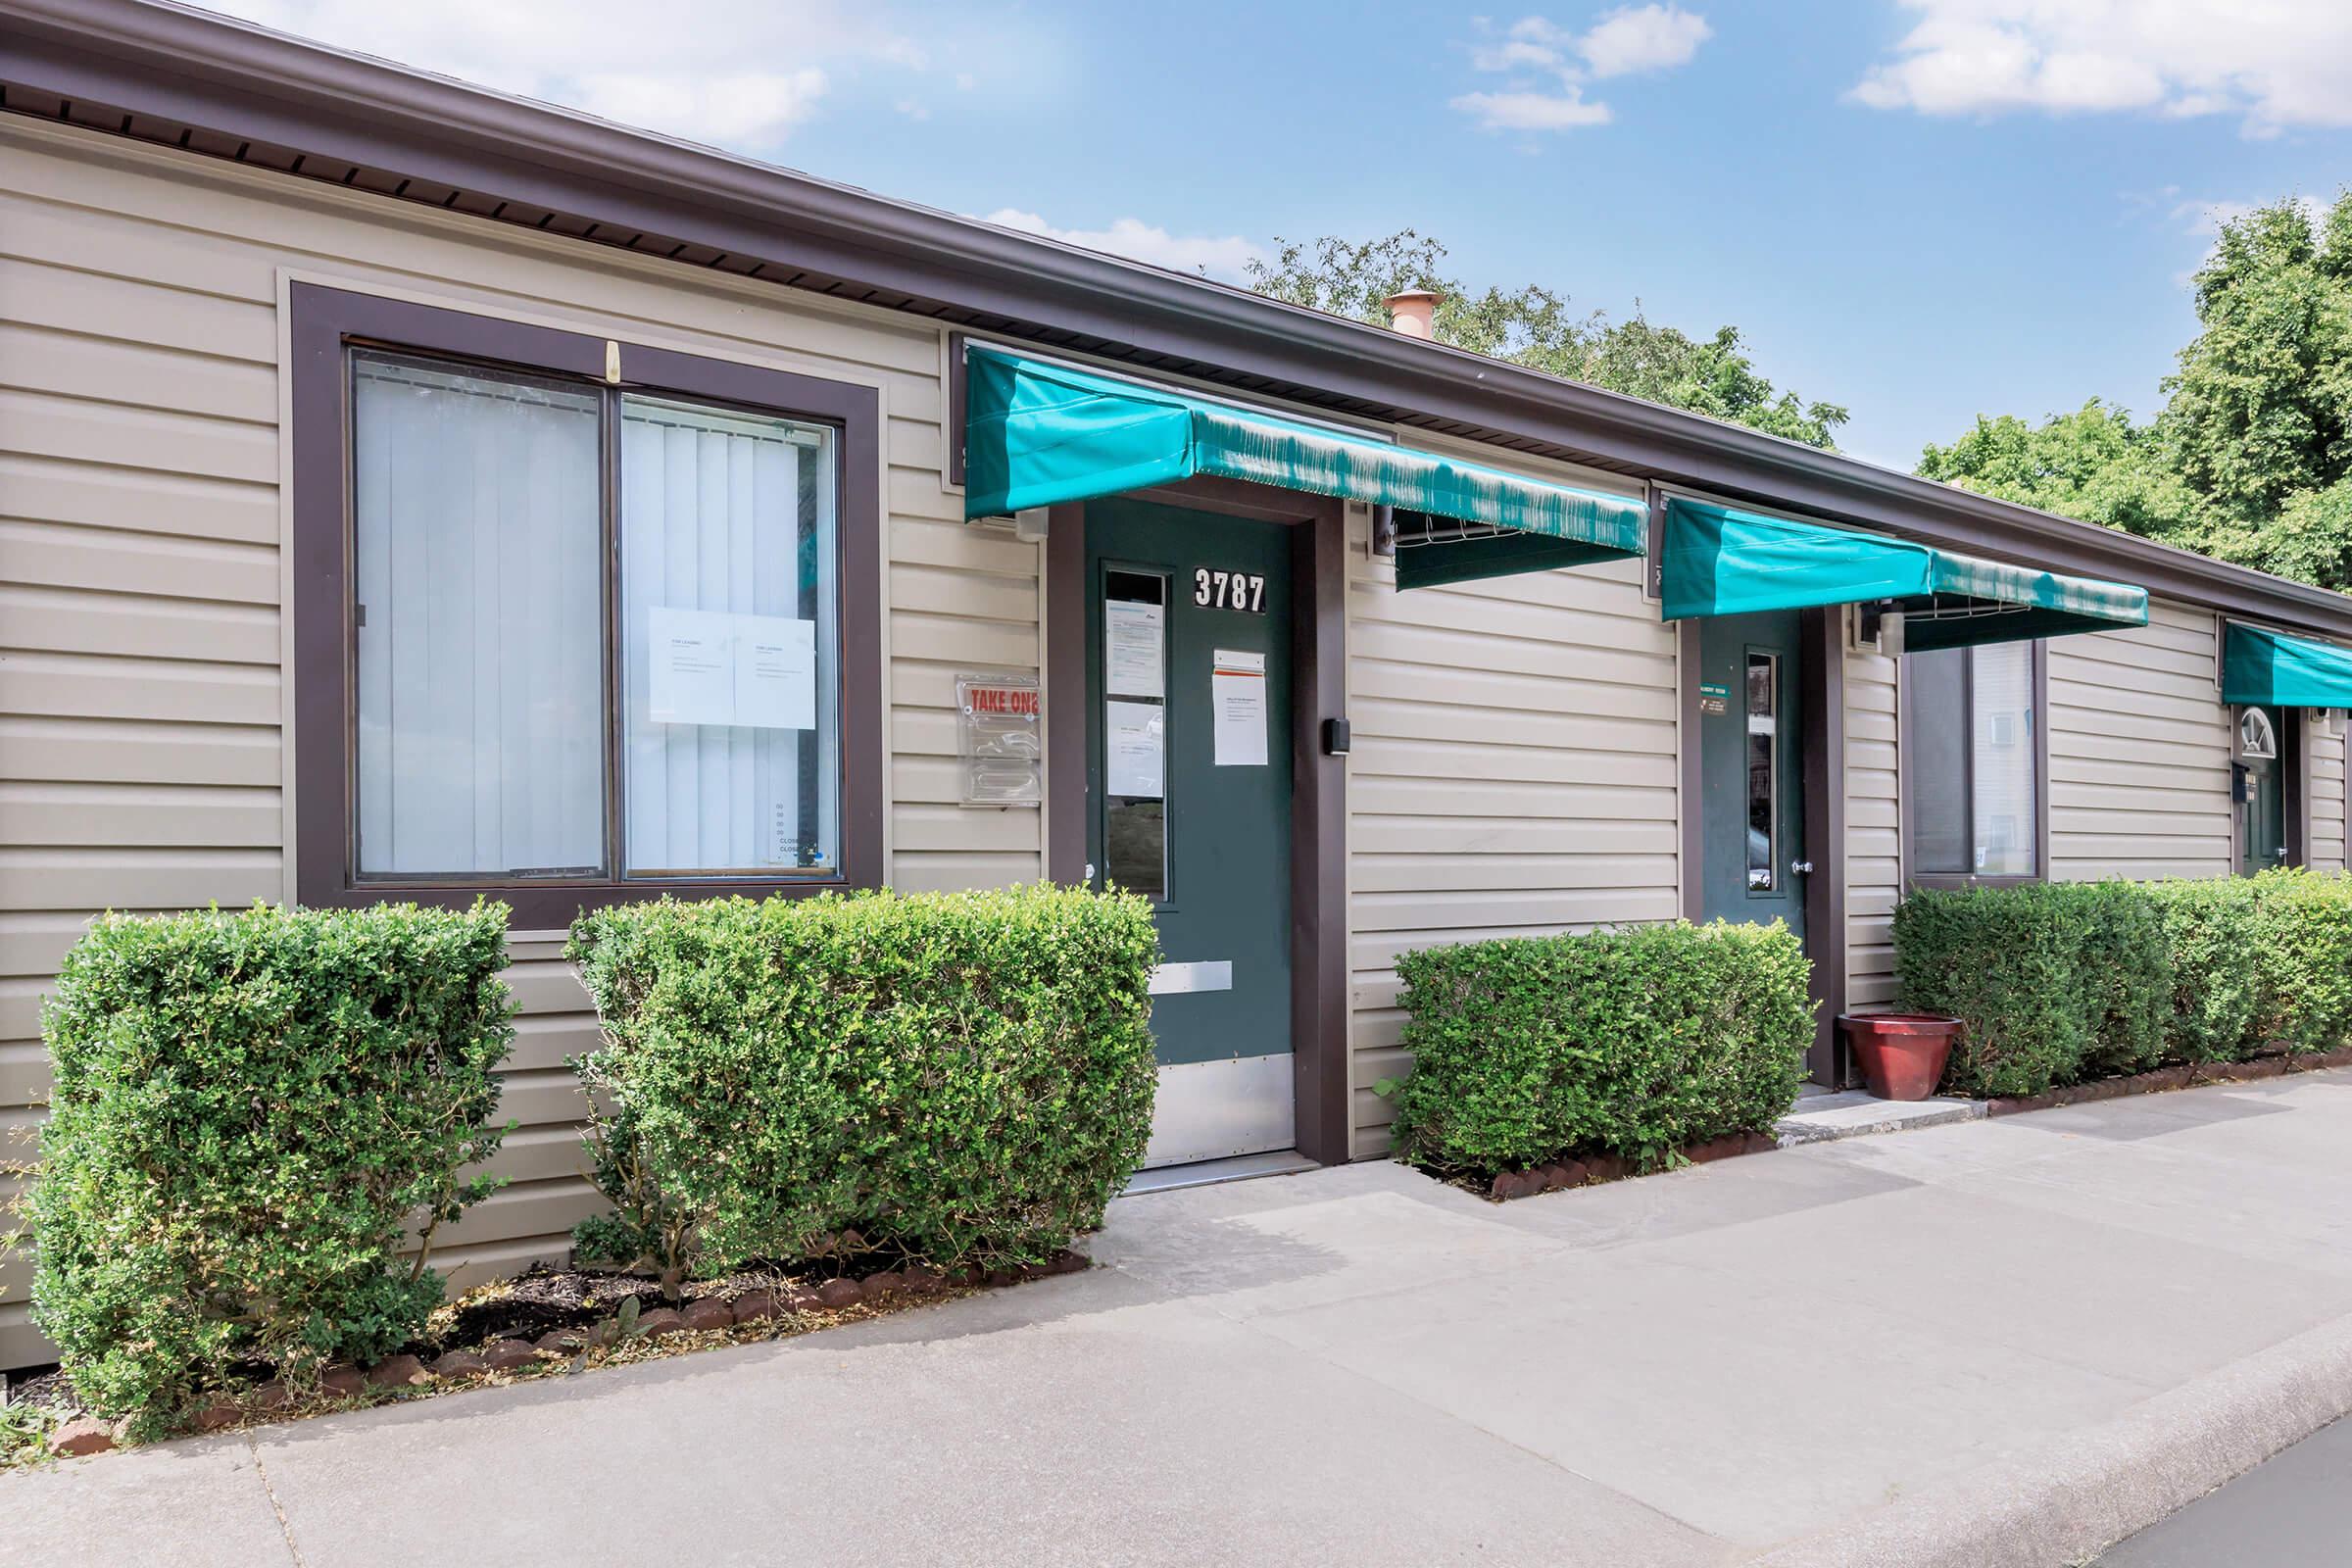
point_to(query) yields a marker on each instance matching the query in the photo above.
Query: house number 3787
(1229, 590)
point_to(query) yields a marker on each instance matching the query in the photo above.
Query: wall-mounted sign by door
(1000, 740)
(1238, 695)
(1714, 701)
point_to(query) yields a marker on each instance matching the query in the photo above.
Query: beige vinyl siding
(141, 749)
(2139, 751)
(2326, 852)
(1874, 878)
(1513, 773)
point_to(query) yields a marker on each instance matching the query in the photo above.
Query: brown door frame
(2296, 782)
(1821, 685)
(1319, 781)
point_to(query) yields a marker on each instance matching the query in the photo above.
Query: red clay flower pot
(1902, 1055)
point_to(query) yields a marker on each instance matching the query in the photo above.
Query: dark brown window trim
(1905, 824)
(325, 321)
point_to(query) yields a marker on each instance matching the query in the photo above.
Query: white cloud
(2274, 63)
(1140, 241)
(1550, 63)
(1643, 38)
(742, 72)
(749, 106)
(1533, 111)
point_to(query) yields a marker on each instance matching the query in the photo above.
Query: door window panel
(1763, 772)
(478, 602)
(1135, 825)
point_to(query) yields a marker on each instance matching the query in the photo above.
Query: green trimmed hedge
(2063, 982)
(2049, 976)
(247, 1111)
(964, 1078)
(1636, 1041)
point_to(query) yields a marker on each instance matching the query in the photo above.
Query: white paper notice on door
(1238, 694)
(1134, 750)
(711, 666)
(1133, 635)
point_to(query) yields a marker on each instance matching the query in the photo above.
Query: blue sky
(1921, 209)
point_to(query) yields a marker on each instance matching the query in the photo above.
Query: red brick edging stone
(2183, 1076)
(1594, 1168)
(88, 1435)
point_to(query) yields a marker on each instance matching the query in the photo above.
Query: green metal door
(2262, 803)
(1188, 803)
(1751, 769)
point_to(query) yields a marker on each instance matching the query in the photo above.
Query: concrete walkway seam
(2065, 1500)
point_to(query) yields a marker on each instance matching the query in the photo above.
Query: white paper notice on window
(775, 672)
(1133, 635)
(711, 666)
(1238, 694)
(1135, 749)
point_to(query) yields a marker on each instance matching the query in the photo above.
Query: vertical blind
(730, 512)
(478, 528)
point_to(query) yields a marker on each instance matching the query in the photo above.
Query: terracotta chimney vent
(1411, 312)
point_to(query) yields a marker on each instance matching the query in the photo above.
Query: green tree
(2251, 458)
(2093, 463)
(2262, 403)
(1533, 326)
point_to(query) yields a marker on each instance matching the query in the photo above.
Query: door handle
(1801, 867)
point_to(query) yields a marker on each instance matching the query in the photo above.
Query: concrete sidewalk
(1979, 1344)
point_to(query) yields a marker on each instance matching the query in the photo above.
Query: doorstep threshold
(1208, 1172)
(1822, 1118)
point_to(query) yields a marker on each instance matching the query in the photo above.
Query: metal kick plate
(1214, 1110)
(1208, 974)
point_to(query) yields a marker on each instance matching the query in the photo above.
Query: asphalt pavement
(2293, 1511)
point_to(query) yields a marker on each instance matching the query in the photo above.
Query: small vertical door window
(1135, 738)
(1763, 772)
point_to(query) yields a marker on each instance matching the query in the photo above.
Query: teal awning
(2271, 668)
(1038, 433)
(1722, 561)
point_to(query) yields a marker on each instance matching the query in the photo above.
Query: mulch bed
(2188, 1075)
(550, 1321)
(1505, 1186)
